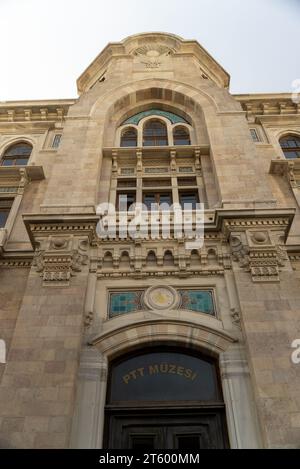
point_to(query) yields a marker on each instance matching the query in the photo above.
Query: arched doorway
(165, 398)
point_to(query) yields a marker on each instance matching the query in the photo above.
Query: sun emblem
(151, 55)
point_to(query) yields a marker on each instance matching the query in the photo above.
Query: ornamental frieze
(253, 238)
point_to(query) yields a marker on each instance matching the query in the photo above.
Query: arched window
(129, 137)
(181, 136)
(290, 145)
(17, 155)
(155, 134)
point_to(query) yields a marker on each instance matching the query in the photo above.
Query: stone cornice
(16, 259)
(229, 221)
(222, 220)
(62, 245)
(41, 226)
(262, 96)
(34, 111)
(267, 106)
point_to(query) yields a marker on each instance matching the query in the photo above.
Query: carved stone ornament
(58, 264)
(239, 251)
(88, 320)
(151, 55)
(61, 243)
(236, 318)
(256, 252)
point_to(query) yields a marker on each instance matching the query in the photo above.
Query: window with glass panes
(290, 146)
(155, 134)
(189, 200)
(181, 136)
(5, 207)
(157, 199)
(129, 137)
(17, 155)
(56, 141)
(254, 135)
(125, 200)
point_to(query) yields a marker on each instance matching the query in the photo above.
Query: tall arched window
(290, 145)
(129, 137)
(155, 134)
(181, 136)
(17, 155)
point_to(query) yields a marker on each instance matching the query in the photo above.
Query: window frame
(126, 130)
(14, 158)
(255, 135)
(127, 193)
(157, 195)
(188, 192)
(290, 149)
(5, 209)
(56, 141)
(155, 139)
(187, 133)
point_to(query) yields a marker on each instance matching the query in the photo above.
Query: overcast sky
(46, 44)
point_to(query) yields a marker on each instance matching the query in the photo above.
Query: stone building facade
(146, 343)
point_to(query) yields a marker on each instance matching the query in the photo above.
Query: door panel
(166, 430)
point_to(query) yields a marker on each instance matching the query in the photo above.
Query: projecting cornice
(34, 111)
(256, 237)
(264, 106)
(222, 220)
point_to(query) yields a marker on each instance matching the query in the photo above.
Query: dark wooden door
(165, 398)
(166, 429)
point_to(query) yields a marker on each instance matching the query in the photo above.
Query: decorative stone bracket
(62, 245)
(57, 265)
(262, 253)
(257, 239)
(290, 169)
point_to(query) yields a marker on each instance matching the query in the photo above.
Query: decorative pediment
(152, 49)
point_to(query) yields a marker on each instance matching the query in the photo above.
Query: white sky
(46, 44)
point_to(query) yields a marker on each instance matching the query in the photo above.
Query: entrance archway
(165, 398)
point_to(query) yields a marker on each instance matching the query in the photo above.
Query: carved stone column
(88, 421)
(243, 427)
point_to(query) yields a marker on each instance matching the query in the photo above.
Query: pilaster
(38, 387)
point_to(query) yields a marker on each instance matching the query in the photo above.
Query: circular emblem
(161, 298)
(151, 55)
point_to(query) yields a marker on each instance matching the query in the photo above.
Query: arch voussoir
(122, 340)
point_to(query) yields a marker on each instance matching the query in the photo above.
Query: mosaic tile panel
(125, 302)
(155, 112)
(199, 301)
